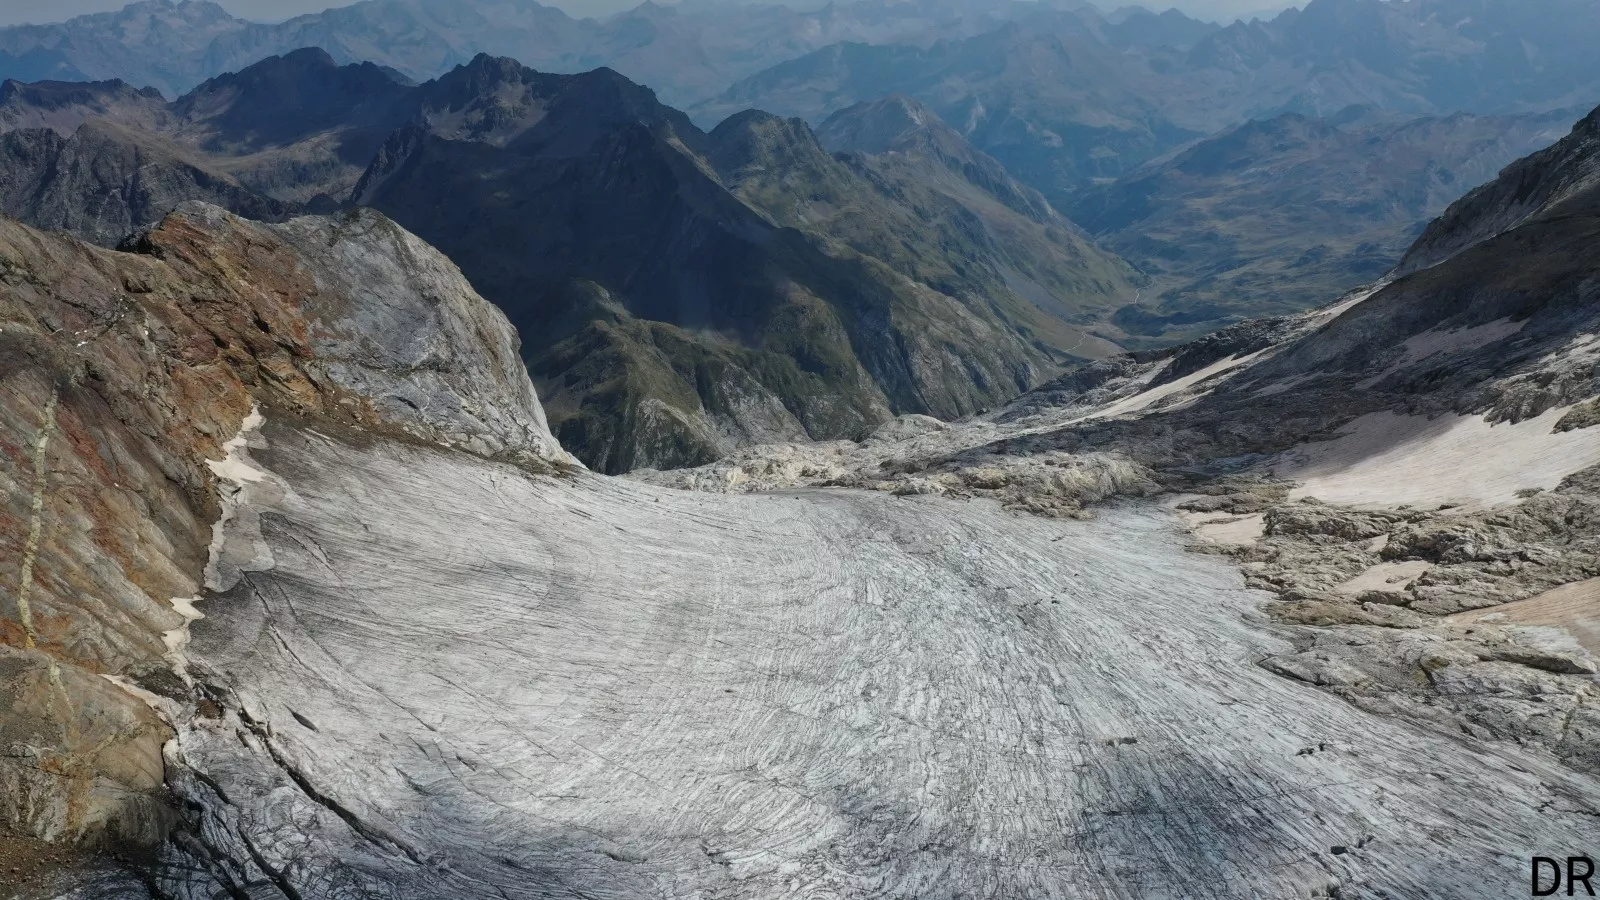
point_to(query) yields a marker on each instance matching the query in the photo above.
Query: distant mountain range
(687, 53)
(679, 293)
(682, 292)
(1063, 95)
(1065, 101)
(941, 203)
(1276, 216)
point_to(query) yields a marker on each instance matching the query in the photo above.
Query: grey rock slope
(395, 323)
(125, 377)
(1530, 188)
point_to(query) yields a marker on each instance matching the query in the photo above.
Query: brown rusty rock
(122, 374)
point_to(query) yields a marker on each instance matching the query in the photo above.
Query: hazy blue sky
(15, 11)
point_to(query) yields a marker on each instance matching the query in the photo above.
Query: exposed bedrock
(124, 374)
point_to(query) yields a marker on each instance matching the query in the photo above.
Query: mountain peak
(63, 106)
(308, 58)
(901, 125)
(188, 11)
(499, 101)
(756, 139)
(881, 126)
(57, 94)
(283, 98)
(273, 72)
(486, 76)
(486, 65)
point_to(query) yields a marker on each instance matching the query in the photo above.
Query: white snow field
(1383, 459)
(462, 681)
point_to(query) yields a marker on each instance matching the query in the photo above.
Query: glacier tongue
(460, 680)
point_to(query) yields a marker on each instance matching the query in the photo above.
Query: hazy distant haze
(13, 12)
(1223, 11)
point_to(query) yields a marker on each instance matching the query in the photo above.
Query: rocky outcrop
(1527, 188)
(1421, 613)
(125, 374)
(103, 181)
(397, 329)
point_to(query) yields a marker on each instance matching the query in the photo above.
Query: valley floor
(452, 679)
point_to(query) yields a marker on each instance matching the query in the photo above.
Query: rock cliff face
(1526, 189)
(103, 181)
(125, 374)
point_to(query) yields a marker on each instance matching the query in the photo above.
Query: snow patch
(1231, 531)
(236, 544)
(1384, 459)
(1391, 576)
(177, 640)
(1150, 398)
(1574, 607)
